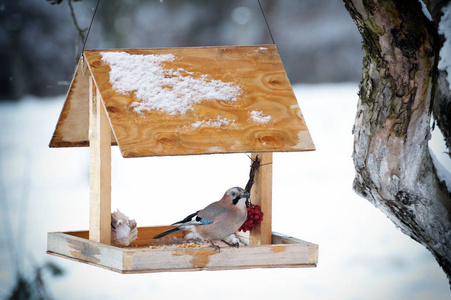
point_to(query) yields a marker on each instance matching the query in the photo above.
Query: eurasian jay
(218, 220)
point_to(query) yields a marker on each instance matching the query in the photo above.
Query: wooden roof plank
(72, 129)
(73, 123)
(264, 87)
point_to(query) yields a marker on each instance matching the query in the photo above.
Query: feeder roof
(183, 101)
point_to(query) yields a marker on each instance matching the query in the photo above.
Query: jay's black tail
(167, 232)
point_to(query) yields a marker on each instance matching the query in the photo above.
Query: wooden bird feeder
(257, 113)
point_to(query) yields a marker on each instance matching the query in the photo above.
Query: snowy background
(317, 39)
(362, 255)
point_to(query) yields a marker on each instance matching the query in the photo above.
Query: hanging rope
(266, 21)
(89, 29)
(97, 5)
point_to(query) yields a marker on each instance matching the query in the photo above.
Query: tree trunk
(394, 169)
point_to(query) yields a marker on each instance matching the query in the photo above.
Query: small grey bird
(218, 220)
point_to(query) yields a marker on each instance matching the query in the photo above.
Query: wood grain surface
(99, 170)
(284, 252)
(73, 123)
(261, 194)
(264, 85)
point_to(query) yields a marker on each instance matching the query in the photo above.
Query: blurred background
(362, 254)
(317, 40)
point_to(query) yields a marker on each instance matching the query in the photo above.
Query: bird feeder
(227, 100)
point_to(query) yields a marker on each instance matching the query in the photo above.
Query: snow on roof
(173, 91)
(258, 117)
(218, 122)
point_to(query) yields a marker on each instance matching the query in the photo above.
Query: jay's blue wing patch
(205, 222)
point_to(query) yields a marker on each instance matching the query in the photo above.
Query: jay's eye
(233, 194)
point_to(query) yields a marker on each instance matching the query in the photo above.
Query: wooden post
(261, 194)
(99, 169)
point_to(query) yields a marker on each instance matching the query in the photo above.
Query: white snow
(362, 255)
(173, 91)
(442, 173)
(218, 122)
(259, 117)
(445, 53)
(425, 10)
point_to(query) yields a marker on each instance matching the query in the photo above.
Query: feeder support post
(261, 194)
(99, 168)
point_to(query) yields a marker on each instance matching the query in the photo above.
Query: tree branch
(81, 32)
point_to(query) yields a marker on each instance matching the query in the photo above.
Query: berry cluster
(254, 217)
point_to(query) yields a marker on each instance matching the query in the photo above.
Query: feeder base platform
(146, 255)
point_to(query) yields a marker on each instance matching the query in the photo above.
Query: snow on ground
(362, 255)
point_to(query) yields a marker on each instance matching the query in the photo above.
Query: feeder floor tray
(167, 254)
